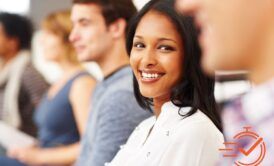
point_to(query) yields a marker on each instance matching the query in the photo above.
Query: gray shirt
(114, 115)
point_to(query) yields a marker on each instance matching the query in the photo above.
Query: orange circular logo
(252, 154)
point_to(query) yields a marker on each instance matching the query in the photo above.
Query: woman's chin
(147, 94)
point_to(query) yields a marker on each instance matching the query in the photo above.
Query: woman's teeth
(150, 75)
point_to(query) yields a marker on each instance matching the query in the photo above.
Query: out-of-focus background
(228, 84)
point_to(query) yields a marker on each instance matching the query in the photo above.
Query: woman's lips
(150, 76)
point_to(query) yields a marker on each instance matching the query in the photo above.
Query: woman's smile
(150, 76)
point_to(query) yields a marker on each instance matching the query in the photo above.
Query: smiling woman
(165, 57)
(156, 57)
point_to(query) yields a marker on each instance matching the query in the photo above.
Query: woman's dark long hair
(195, 89)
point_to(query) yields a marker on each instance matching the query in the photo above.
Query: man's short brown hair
(113, 9)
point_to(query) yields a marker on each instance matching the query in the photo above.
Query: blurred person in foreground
(62, 114)
(239, 35)
(99, 35)
(21, 86)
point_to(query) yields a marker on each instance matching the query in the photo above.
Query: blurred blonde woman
(62, 115)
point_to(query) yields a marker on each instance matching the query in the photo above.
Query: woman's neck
(158, 102)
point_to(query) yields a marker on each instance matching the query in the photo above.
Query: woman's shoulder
(197, 124)
(83, 78)
(83, 83)
(200, 126)
(84, 75)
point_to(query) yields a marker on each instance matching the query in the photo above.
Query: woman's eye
(166, 48)
(138, 45)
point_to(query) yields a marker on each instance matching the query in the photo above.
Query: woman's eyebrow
(162, 39)
(137, 36)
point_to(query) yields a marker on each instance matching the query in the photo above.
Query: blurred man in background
(99, 35)
(239, 35)
(21, 86)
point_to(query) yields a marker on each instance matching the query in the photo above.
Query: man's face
(231, 30)
(4, 42)
(89, 35)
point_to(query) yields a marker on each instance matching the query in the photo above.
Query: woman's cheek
(134, 61)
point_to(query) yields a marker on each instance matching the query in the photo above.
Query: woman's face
(157, 56)
(52, 46)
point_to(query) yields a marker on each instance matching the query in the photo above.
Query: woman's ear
(118, 28)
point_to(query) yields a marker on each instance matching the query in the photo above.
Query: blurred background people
(99, 35)
(21, 86)
(165, 57)
(61, 116)
(245, 43)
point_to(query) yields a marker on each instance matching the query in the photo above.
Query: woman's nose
(149, 58)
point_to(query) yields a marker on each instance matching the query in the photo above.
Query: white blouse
(173, 141)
